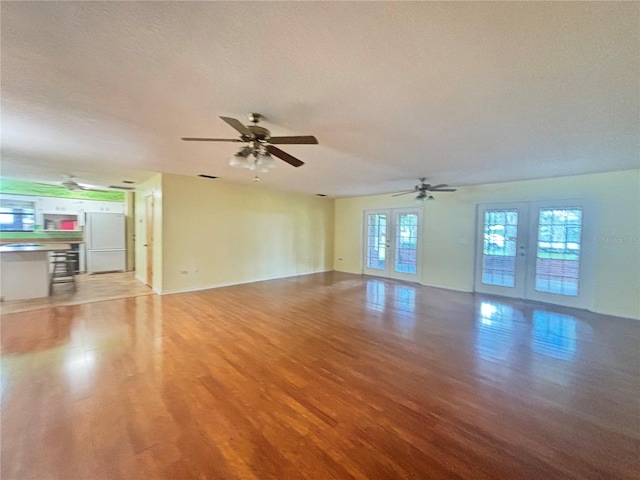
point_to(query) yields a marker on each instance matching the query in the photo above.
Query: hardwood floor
(322, 376)
(89, 288)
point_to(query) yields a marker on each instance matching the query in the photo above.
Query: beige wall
(449, 232)
(218, 233)
(151, 187)
(349, 214)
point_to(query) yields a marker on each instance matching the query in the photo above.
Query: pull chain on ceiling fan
(256, 155)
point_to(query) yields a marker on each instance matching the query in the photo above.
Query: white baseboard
(144, 280)
(347, 271)
(229, 284)
(446, 288)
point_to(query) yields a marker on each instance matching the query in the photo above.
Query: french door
(536, 251)
(392, 240)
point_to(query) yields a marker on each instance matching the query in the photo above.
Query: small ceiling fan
(260, 144)
(71, 184)
(424, 190)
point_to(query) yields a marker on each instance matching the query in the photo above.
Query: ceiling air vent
(121, 188)
(207, 176)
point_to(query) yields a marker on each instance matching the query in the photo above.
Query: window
(558, 253)
(406, 242)
(499, 247)
(17, 216)
(377, 241)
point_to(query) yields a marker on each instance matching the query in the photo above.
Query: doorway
(392, 243)
(149, 238)
(538, 251)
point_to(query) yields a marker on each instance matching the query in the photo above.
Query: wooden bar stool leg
(63, 269)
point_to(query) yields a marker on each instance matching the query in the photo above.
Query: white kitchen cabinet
(58, 205)
(25, 271)
(93, 206)
(77, 207)
(68, 206)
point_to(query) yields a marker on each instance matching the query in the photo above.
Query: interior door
(536, 251)
(149, 239)
(392, 243)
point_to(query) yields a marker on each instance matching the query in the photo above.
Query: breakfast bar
(24, 269)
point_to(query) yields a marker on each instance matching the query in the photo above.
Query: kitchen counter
(34, 247)
(24, 270)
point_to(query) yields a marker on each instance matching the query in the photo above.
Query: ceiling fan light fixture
(257, 168)
(422, 196)
(265, 160)
(260, 145)
(240, 159)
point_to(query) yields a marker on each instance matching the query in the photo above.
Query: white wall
(449, 232)
(218, 233)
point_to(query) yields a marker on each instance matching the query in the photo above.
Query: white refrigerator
(105, 242)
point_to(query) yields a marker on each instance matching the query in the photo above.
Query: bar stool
(63, 269)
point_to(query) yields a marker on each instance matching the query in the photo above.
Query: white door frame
(527, 242)
(390, 244)
(518, 290)
(584, 299)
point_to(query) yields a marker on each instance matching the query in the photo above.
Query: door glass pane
(406, 243)
(376, 241)
(558, 250)
(499, 247)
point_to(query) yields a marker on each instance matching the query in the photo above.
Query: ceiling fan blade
(192, 139)
(443, 190)
(291, 160)
(300, 140)
(237, 124)
(403, 193)
(438, 186)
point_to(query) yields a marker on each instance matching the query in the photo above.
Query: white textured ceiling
(463, 93)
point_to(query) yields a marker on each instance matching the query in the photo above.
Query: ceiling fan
(73, 186)
(424, 190)
(261, 145)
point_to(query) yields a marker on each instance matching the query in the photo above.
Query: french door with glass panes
(392, 240)
(536, 251)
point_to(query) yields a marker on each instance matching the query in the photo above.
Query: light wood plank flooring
(89, 288)
(321, 376)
